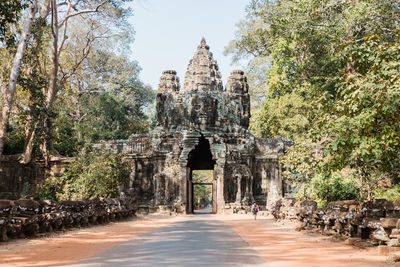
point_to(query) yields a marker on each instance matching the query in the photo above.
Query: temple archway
(203, 125)
(200, 158)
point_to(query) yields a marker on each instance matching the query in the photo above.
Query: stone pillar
(239, 189)
(157, 189)
(275, 186)
(214, 196)
(219, 173)
(245, 200)
(166, 190)
(250, 185)
(189, 185)
(184, 172)
(264, 178)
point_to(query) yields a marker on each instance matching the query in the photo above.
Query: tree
(76, 84)
(106, 99)
(93, 15)
(10, 12)
(9, 90)
(314, 50)
(364, 124)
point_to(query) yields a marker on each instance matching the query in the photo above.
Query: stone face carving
(203, 126)
(169, 82)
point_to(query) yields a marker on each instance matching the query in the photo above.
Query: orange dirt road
(76, 245)
(281, 246)
(277, 245)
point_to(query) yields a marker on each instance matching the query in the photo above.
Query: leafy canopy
(331, 83)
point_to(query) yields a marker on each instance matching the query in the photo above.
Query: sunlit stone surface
(203, 126)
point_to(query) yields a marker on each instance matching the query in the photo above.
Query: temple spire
(202, 73)
(203, 44)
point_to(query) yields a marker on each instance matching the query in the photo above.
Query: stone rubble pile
(21, 218)
(376, 221)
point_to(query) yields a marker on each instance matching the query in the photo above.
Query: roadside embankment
(371, 223)
(21, 218)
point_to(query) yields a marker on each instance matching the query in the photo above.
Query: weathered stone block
(385, 250)
(393, 243)
(342, 205)
(389, 222)
(374, 204)
(380, 235)
(393, 257)
(351, 241)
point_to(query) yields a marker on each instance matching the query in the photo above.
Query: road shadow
(194, 242)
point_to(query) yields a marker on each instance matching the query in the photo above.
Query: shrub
(90, 175)
(327, 188)
(50, 188)
(391, 194)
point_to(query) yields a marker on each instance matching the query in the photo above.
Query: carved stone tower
(203, 127)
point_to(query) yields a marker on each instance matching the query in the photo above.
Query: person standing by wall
(254, 210)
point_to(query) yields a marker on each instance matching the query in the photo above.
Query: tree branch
(64, 36)
(81, 12)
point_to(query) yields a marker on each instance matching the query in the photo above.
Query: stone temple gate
(202, 126)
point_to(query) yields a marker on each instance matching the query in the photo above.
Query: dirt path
(196, 241)
(76, 245)
(278, 246)
(281, 246)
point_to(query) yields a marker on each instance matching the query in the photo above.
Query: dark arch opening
(200, 158)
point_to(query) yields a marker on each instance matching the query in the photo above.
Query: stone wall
(22, 218)
(18, 179)
(376, 221)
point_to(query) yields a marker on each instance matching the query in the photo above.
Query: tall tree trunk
(55, 84)
(47, 146)
(30, 135)
(12, 84)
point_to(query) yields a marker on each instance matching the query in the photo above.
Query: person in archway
(254, 210)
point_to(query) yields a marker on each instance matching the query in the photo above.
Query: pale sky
(168, 32)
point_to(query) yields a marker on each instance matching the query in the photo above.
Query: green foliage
(331, 83)
(365, 129)
(391, 194)
(91, 175)
(29, 103)
(327, 188)
(51, 188)
(10, 13)
(66, 139)
(202, 175)
(284, 116)
(110, 106)
(202, 195)
(26, 188)
(14, 142)
(99, 94)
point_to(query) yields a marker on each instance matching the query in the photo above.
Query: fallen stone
(351, 240)
(389, 222)
(385, 250)
(342, 205)
(363, 244)
(380, 235)
(393, 243)
(6, 207)
(393, 257)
